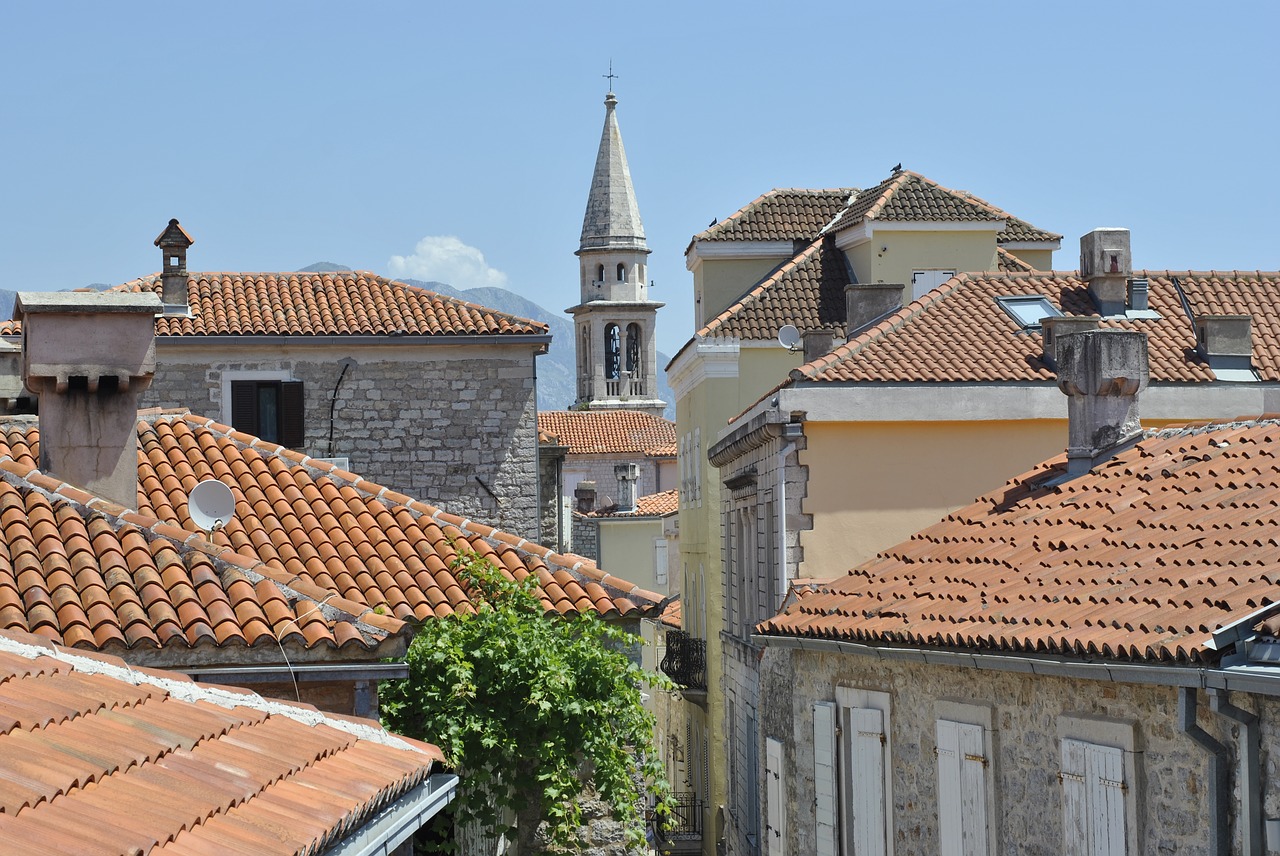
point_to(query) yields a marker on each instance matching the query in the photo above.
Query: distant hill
(557, 374)
(323, 267)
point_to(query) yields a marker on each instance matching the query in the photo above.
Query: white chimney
(1101, 372)
(1106, 264)
(628, 476)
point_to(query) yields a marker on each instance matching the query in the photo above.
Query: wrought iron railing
(685, 661)
(684, 823)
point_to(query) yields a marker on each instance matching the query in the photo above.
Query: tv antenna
(211, 505)
(789, 336)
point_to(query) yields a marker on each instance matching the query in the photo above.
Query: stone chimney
(173, 243)
(628, 476)
(1053, 328)
(1106, 264)
(87, 357)
(868, 302)
(1225, 341)
(585, 496)
(817, 343)
(1101, 372)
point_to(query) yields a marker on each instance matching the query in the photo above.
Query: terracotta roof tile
(103, 758)
(1141, 559)
(348, 303)
(1008, 262)
(958, 331)
(790, 214)
(590, 432)
(651, 505)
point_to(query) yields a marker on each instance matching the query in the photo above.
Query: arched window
(633, 349)
(584, 365)
(622, 272)
(599, 274)
(612, 352)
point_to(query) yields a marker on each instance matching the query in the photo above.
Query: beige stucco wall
(891, 256)
(719, 282)
(627, 551)
(1038, 259)
(873, 484)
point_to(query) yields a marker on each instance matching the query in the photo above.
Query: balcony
(685, 661)
(681, 831)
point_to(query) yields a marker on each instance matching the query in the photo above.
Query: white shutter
(1104, 773)
(950, 827)
(864, 735)
(973, 789)
(775, 797)
(660, 561)
(824, 777)
(1075, 818)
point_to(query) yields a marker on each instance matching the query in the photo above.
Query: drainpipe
(1219, 769)
(791, 432)
(1251, 832)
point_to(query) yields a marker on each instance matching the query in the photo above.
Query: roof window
(1028, 310)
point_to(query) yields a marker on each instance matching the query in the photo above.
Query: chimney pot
(817, 343)
(1106, 264)
(88, 357)
(869, 302)
(585, 494)
(1102, 372)
(628, 476)
(173, 243)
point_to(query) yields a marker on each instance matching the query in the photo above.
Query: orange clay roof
(1008, 262)
(1141, 559)
(331, 529)
(88, 573)
(348, 303)
(593, 432)
(786, 214)
(652, 505)
(101, 758)
(958, 332)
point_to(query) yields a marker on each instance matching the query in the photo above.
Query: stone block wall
(585, 537)
(551, 504)
(599, 468)
(1170, 788)
(455, 427)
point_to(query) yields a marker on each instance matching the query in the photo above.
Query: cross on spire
(611, 76)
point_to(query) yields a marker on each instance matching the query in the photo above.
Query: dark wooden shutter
(244, 406)
(293, 423)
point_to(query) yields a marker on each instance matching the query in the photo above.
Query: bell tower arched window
(599, 274)
(622, 272)
(633, 350)
(612, 352)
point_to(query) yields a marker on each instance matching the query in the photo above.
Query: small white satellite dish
(789, 336)
(211, 505)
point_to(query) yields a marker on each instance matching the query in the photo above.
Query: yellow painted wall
(874, 484)
(626, 550)
(1038, 259)
(722, 281)
(893, 256)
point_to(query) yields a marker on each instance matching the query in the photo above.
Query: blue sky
(460, 137)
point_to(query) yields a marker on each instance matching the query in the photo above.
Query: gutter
(1249, 772)
(362, 339)
(303, 672)
(397, 823)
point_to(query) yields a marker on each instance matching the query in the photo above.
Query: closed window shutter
(950, 829)
(1075, 813)
(824, 777)
(293, 432)
(1092, 799)
(660, 561)
(775, 798)
(962, 791)
(862, 748)
(244, 406)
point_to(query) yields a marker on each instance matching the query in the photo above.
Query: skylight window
(1028, 311)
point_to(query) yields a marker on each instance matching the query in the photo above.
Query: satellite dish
(211, 505)
(789, 336)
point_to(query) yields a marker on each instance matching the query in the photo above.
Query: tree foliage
(530, 708)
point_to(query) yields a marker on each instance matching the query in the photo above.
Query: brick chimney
(585, 496)
(628, 476)
(1106, 264)
(868, 302)
(87, 357)
(1101, 372)
(173, 243)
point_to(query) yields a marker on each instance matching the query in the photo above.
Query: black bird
(713, 222)
(898, 168)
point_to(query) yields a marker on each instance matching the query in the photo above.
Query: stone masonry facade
(1169, 790)
(599, 468)
(453, 430)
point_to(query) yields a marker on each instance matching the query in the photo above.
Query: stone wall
(551, 504)
(585, 537)
(452, 426)
(1172, 772)
(599, 468)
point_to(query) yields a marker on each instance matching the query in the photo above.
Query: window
(1098, 787)
(270, 409)
(612, 352)
(962, 788)
(599, 274)
(924, 281)
(852, 774)
(1028, 311)
(622, 273)
(633, 350)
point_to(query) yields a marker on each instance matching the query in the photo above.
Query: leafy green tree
(530, 708)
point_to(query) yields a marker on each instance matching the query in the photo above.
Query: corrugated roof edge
(582, 568)
(331, 606)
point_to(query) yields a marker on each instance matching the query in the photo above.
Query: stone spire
(613, 218)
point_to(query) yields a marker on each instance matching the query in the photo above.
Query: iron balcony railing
(681, 830)
(686, 660)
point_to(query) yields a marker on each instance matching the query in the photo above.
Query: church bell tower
(614, 320)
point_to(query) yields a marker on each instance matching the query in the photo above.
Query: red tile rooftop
(101, 758)
(1141, 559)
(590, 432)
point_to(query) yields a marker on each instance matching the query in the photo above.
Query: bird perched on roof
(713, 222)
(898, 168)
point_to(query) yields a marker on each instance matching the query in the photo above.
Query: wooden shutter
(775, 798)
(244, 406)
(824, 776)
(1092, 799)
(962, 789)
(293, 426)
(1075, 813)
(862, 751)
(660, 561)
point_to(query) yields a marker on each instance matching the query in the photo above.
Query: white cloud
(444, 258)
